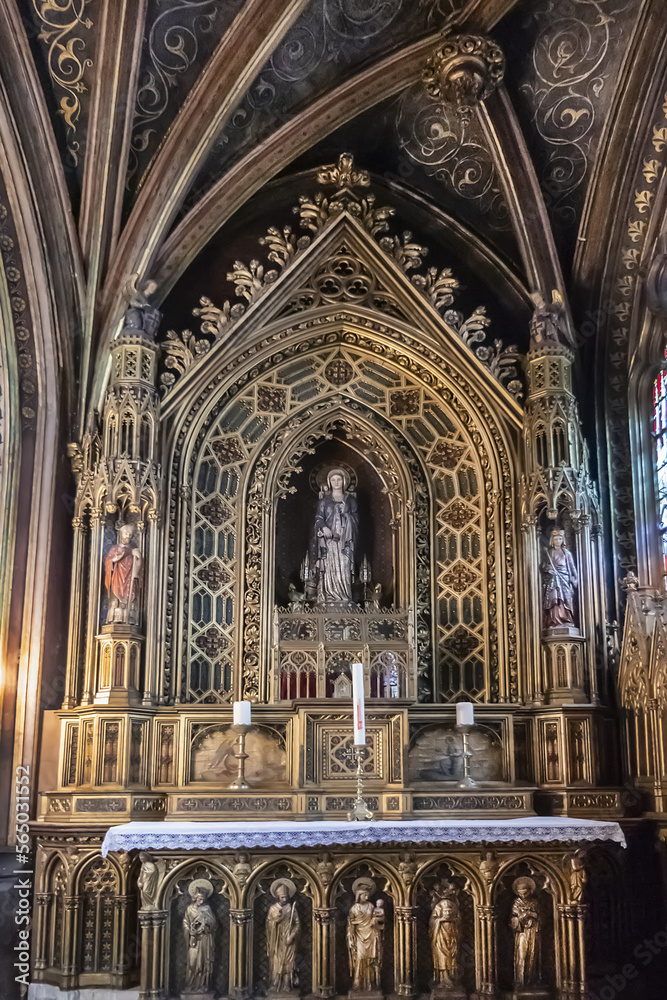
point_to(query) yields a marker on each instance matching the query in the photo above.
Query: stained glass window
(660, 434)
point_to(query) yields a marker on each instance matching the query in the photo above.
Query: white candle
(359, 715)
(241, 713)
(465, 713)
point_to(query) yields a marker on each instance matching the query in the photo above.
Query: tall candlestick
(241, 713)
(465, 713)
(359, 713)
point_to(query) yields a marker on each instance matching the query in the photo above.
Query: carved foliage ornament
(342, 278)
(463, 71)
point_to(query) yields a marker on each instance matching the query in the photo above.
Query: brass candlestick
(466, 781)
(360, 810)
(239, 781)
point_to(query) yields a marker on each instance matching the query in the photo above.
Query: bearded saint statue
(333, 544)
(199, 926)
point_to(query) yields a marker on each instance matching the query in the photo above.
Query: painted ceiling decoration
(143, 128)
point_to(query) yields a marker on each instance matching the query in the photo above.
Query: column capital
(240, 917)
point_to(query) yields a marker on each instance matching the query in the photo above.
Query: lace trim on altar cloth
(220, 836)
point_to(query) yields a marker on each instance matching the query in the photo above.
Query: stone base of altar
(112, 917)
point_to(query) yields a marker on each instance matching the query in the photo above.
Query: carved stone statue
(140, 315)
(407, 867)
(147, 882)
(333, 543)
(525, 922)
(548, 320)
(325, 868)
(242, 869)
(123, 569)
(365, 927)
(446, 932)
(578, 876)
(199, 926)
(283, 930)
(559, 583)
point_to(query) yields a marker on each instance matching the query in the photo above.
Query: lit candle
(465, 715)
(241, 713)
(358, 704)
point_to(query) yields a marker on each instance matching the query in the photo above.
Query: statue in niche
(559, 583)
(199, 926)
(333, 544)
(365, 927)
(446, 933)
(147, 882)
(283, 930)
(525, 922)
(123, 568)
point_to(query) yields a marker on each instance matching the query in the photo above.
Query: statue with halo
(283, 930)
(199, 927)
(333, 544)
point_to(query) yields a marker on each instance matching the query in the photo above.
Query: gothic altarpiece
(340, 468)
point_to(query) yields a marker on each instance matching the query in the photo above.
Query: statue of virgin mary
(334, 541)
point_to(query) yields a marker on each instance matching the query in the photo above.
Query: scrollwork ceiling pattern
(64, 32)
(180, 36)
(566, 89)
(453, 152)
(329, 40)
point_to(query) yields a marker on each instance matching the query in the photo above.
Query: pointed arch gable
(415, 377)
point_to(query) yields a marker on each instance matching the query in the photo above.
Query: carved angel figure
(199, 926)
(525, 922)
(283, 929)
(365, 926)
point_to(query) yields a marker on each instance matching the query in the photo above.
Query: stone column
(486, 971)
(240, 954)
(405, 950)
(119, 964)
(77, 625)
(571, 957)
(41, 920)
(95, 598)
(324, 951)
(69, 961)
(153, 958)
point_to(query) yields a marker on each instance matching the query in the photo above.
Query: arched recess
(445, 421)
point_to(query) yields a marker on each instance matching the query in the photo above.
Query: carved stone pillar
(405, 950)
(77, 624)
(571, 971)
(240, 954)
(95, 591)
(486, 971)
(324, 952)
(40, 920)
(69, 962)
(119, 962)
(153, 958)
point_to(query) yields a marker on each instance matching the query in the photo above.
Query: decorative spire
(464, 70)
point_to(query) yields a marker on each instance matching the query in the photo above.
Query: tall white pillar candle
(241, 713)
(359, 711)
(465, 714)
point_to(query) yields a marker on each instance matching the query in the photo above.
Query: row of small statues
(364, 937)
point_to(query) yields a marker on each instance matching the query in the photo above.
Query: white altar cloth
(218, 836)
